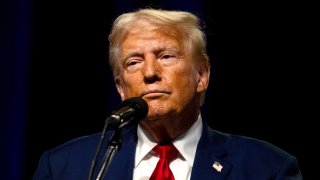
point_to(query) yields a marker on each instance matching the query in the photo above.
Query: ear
(203, 79)
(119, 85)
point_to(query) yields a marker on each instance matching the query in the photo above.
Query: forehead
(152, 37)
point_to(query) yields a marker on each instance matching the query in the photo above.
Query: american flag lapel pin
(217, 166)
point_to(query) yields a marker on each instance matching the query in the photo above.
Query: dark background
(56, 84)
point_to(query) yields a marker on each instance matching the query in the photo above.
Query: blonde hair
(184, 22)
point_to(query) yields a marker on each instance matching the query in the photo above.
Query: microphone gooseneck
(130, 110)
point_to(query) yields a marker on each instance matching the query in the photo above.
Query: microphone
(132, 109)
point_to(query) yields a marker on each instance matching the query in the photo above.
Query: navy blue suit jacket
(242, 158)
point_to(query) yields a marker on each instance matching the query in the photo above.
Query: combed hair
(184, 22)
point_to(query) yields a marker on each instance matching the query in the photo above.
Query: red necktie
(167, 153)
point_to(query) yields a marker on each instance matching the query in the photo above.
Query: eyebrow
(132, 53)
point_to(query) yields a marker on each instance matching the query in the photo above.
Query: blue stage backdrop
(15, 58)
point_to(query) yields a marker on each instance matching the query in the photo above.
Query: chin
(159, 113)
(155, 115)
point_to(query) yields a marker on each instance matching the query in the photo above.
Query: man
(160, 56)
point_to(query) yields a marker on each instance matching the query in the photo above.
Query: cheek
(131, 86)
(186, 77)
(184, 82)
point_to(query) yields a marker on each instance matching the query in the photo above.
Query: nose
(151, 69)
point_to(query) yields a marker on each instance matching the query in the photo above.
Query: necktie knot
(166, 151)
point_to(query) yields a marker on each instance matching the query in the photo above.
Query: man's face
(155, 66)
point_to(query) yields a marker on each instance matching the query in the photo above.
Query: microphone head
(139, 105)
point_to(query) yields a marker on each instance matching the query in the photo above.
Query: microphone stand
(131, 109)
(114, 145)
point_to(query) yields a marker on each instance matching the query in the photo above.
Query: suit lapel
(211, 157)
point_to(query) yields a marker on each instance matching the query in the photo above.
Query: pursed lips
(156, 92)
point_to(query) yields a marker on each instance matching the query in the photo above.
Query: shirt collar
(188, 141)
(144, 146)
(185, 143)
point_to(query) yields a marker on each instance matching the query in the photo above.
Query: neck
(168, 128)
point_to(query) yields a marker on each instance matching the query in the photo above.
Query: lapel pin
(217, 166)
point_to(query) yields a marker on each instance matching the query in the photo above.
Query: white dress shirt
(146, 160)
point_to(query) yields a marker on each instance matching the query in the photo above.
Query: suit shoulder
(257, 149)
(248, 145)
(83, 141)
(261, 147)
(77, 147)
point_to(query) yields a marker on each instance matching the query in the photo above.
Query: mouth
(154, 93)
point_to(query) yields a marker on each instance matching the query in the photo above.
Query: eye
(168, 59)
(167, 56)
(131, 63)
